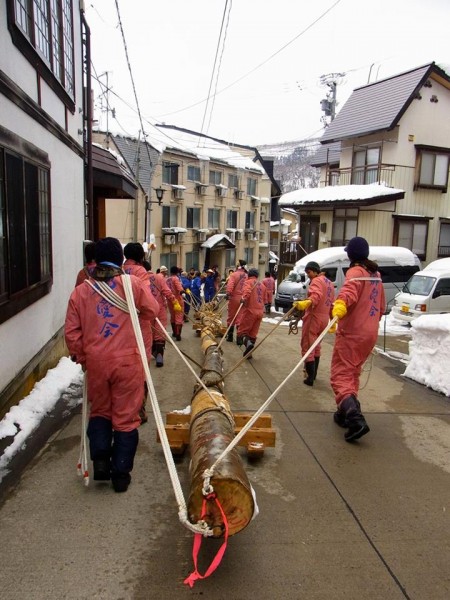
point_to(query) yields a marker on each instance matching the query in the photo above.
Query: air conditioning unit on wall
(239, 194)
(249, 236)
(202, 190)
(238, 235)
(232, 236)
(178, 194)
(201, 235)
(222, 192)
(170, 239)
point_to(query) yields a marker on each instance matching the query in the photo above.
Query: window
(365, 166)
(345, 225)
(192, 260)
(192, 218)
(169, 216)
(215, 177)
(193, 173)
(412, 234)
(169, 259)
(444, 240)
(170, 173)
(248, 255)
(214, 218)
(251, 186)
(232, 219)
(249, 220)
(233, 181)
(25, 226)
(433, 169)
(230, 258)
(43, 32)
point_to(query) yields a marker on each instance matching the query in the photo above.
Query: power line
(260, 64)
(215, 62)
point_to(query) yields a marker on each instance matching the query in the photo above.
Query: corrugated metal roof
(109, 174)
(131, 149)
(377, 106)
(327, 154)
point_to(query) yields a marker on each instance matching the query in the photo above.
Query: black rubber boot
(316, 362)
(174, 334)
(158, 353)
(310, 368)
(354, 419)
(229, 337)
(178, 329)
(267, 306)
(249, 344)
(239, 339)
(100, 434)
(122, 460)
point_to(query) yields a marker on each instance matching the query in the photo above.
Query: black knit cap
(109, 250)
(134, 251)
(242, 262)
(253, 273)
(357, 248)
(174, 270)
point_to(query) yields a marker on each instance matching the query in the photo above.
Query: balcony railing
(444, 251)
(363, 175)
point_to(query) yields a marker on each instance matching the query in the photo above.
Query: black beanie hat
(357, 248)
(174, 270)
(241, 262)
(134, 251)
(109, 250)
(253, 273)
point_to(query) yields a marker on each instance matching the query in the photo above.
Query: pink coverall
(269, 282)
(357, 332)
(102, 339)
(175, 286)
(254, 296)
(234, 289)
(163, 296)
(321, 294)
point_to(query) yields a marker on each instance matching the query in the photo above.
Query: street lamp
(159, 191)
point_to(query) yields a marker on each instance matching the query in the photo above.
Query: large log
(211, 430)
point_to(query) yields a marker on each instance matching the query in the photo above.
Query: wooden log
(211, 430)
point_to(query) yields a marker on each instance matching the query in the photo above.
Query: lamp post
(159, 191)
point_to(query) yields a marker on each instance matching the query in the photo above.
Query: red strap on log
(192, 578)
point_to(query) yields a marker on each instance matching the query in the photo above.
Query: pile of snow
(23, 419)
(429, 352)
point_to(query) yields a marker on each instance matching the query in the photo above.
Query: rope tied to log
(208, 473)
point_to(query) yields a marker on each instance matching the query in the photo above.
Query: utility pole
(104, 104)
(328, 104)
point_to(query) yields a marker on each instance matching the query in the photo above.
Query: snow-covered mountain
(291, 163)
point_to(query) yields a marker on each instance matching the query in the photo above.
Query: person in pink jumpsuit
(101, 338)
(89, 263)
(164, 297)
(134, 265)
(254, 297)
(269, 282)
(234, 289)
(359, 307)
(175, 286)
(317, 307)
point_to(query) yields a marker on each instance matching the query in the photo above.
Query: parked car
(426, 293)
(396, 266)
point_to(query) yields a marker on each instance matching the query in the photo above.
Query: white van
(426, 293)
(396, 266)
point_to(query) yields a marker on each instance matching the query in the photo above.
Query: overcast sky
(267, 66)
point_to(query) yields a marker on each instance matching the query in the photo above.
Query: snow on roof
(395, 254)
(442, 264)
(215, 239)
(174, 230)
(334, 193)
(204, 148)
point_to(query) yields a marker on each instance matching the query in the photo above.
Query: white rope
(82, 466)
(102, 288)
(201, 526)
(208, 473)
(206, 389)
